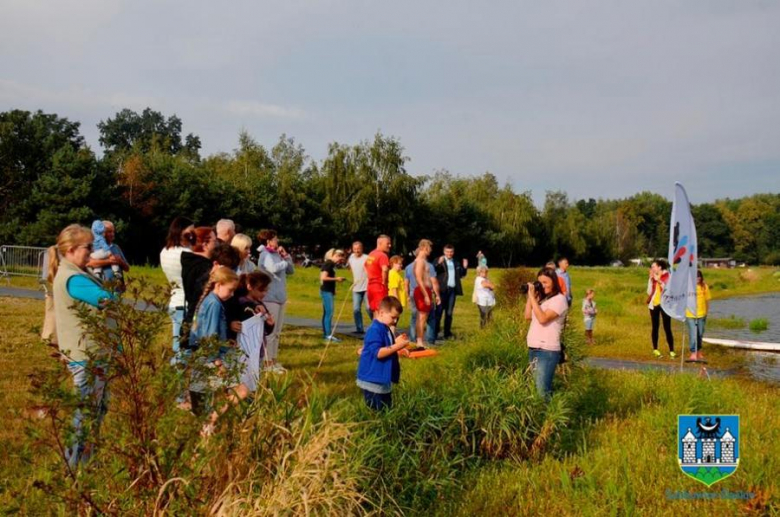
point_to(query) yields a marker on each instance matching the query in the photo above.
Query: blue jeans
(378, 401)
(447, 308)
(430, 326)
(177, 317)
(327, 312)
(358, 298)
(544, 363)
(695, 332)
(93, 394)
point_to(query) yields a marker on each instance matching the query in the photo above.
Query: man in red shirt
(377, 267)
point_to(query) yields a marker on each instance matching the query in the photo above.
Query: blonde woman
(328, 281)
(73, 284)
(243, 244)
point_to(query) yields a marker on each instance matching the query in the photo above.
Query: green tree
(129, 130)
(35, 148)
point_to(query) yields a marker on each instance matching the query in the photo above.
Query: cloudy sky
(600, 98)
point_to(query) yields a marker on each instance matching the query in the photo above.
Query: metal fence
(23, 261)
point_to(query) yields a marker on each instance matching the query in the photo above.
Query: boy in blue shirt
(379, 368)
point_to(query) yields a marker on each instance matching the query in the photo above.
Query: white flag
(680, 292)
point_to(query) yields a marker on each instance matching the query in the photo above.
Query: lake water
(761, 365)
(748, 308)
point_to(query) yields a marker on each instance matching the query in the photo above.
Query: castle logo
(708, 446)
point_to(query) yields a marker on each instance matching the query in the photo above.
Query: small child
(210, 320)
(484, 296)
(589, 312)
(395, 279)
(379, 367)
(102, 251)
(246, 303)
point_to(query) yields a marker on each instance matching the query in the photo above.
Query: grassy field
(611, 450)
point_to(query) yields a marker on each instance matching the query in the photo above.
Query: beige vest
(71, 337)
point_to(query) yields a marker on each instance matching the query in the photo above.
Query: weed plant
(731, 322)
(759, 325)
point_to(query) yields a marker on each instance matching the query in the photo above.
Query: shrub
(759, 325)
(270, 456)
(508, 295)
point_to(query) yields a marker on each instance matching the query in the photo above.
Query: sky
(599, 99)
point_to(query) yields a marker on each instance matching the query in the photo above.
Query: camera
(537, 286)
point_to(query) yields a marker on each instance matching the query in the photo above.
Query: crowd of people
(219, 293)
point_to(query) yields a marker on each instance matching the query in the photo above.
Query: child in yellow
(696, 322)
(395, 280)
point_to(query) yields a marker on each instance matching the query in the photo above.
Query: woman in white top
(484, 296)
(170, 262)
(243, 244)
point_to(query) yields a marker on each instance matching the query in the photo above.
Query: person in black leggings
(659, 276)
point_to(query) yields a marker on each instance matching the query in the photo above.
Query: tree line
(150, 173)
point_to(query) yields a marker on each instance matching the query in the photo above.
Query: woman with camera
(546, 309)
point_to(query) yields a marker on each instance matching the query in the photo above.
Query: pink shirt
(548, 336)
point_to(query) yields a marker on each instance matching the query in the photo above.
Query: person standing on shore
(377, 270)
(357, 263)
(659, 277)
(423, 293)
(546, 311)
(697, 322)
(563, 266)
(328, 281)
(449, 273)
(278, 264)
(410, 284)
(589, 312)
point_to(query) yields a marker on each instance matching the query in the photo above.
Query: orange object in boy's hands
(404, 352)
(402, 339)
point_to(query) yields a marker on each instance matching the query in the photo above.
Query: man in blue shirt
(410, 283)
(563, 265)
(449, 272)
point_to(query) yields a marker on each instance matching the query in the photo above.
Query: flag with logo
(680, 292)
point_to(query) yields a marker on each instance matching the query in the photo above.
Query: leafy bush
(274, 454)
(759, 325)
(510, 296)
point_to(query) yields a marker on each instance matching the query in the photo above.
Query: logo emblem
(708, 446)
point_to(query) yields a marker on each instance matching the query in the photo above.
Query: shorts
(376, 293)
(589, 322)
(419, 299)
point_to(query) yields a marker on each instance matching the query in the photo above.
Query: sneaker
(693, 357)
(333, 339)
(672, 354)
(656, 353)
(699, 356)
(278, 368)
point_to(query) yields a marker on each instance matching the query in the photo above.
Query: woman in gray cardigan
(275, 261)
